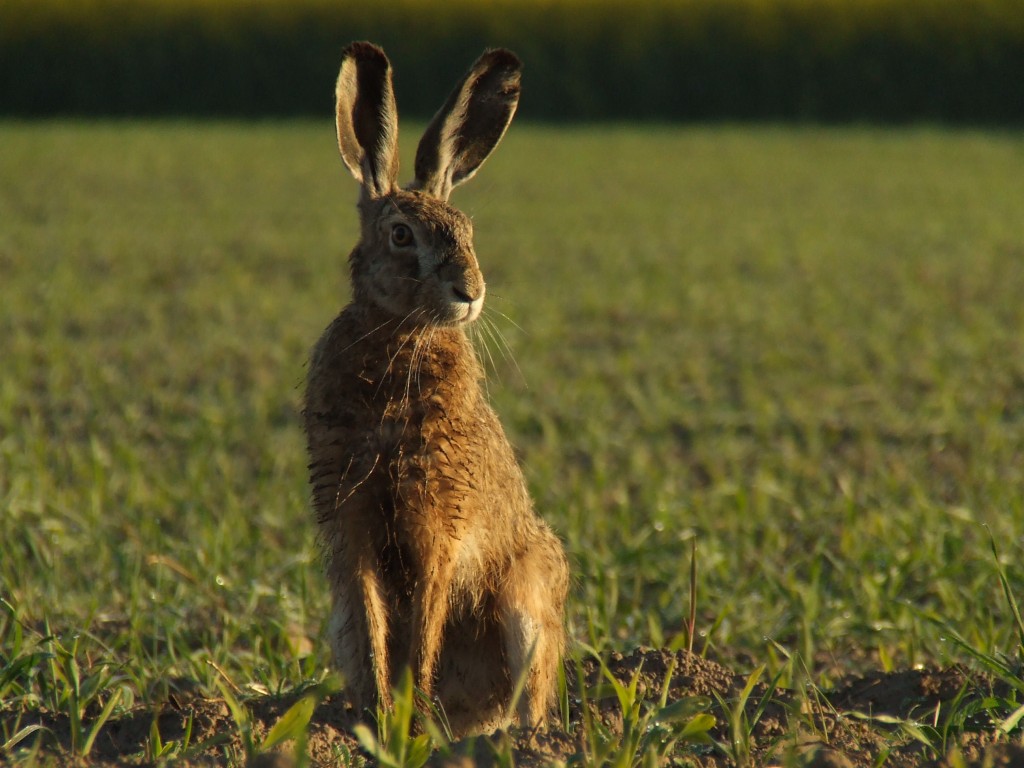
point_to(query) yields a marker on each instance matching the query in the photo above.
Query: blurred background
(949, 61)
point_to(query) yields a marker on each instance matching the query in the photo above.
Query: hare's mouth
(464, 308)
(456, 313)
(473, 310)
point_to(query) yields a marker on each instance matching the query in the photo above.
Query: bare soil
(855, 724)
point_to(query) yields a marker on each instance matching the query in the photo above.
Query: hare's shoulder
(348, 330)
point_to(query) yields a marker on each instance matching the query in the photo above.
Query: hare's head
(415, 259)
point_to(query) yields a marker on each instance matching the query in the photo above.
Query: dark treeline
(955, 61)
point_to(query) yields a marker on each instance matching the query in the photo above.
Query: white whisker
(487, 338)
(419, 370)
(511, 322)
(394, 357)
(506, 348)
(370, 333)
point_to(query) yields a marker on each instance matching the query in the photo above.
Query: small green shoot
(158, 749)
(1011, 601)
(240, 715)
(12, 740)
(293, 725)
(394, 745)
(691, 619)
(650, 730)
(741, 725)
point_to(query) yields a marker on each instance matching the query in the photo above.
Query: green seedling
(741, 724)
(14, 734)
(293, 725)
(158, 749)
(651, 730)
(394, 745)
(73, 691)
(240, 716)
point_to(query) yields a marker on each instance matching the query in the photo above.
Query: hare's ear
(367, 118)
(469, 125)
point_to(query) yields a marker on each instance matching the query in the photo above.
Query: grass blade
(292, 724)
(20, 736)
(1012, 721)
(105, 714)
(1010, 599)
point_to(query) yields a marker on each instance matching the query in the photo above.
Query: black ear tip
(501, 58)
(366, 52)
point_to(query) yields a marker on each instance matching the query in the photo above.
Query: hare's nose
(461, 295)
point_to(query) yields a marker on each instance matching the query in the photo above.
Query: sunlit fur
(434, 554)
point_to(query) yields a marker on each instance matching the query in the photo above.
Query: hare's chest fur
(403, 442)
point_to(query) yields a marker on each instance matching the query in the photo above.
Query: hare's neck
(417, 358)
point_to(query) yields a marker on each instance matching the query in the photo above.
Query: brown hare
(434, 554)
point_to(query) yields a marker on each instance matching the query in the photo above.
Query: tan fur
(435, 556)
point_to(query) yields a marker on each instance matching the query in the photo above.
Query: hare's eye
(401, 236)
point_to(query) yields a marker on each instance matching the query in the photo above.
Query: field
(797, 352)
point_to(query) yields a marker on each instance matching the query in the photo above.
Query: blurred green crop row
(828, 60)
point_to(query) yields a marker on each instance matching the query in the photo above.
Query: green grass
(803, 347)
